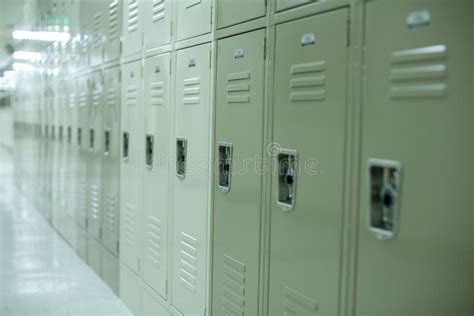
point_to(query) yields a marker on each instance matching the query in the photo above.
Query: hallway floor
(40, 274)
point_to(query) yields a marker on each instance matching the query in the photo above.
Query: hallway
(39, 273)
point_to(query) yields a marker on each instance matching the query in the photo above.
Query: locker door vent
(72, 100)
(129, 223)
(157, 93)
(419, 73)
(132, 93)
(154, 242)
(233, 301)
(188, 262)
(132, 15)
(191, 91)
(298, 304)
(238, 87)
(308, 82)
(97, 41)
(113, 20)
(110, 213)
(158, 10)
(96, 98)
(94, 202)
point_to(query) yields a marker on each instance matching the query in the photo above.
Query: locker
(96, 150)
(132, 27)
(98, 28)
(81, 243)
(111, 160)
(131, 290)
(110, 270)
(231, 12)
(113, 30)
(157, 16)
(194, 18)
(415, 79)
(288, 4)
(156, 172)
(72, 154)
(308, 150)
(238, 185)
(131, 166)
(191, 183)
(94, 255)
(86, 30)
(151, 305)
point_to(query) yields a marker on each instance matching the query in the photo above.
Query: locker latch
(287, 170)
(106, 142)
(125, 145)
(91, 140)
(224, 166)
(149, 151)
(384, 199)
(69, 134)
(181, 152)
(79, 137)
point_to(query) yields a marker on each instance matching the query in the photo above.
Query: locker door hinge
(265, 48)
(211, 15)
(210, 58)
(348, 35)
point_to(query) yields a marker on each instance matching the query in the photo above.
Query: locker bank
(237, 157)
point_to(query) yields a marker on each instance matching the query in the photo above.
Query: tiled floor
(39, 273)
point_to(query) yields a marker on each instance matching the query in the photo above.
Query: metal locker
(95, 148)
(86, 29)
(194, 18)
(288, 4)
(132, 28)
(310, 89)
(415, 230)
(113, 30)
(72, 156)
(131, 166)
(131, 290)
(151, 304)
(157, 16)
(94, 255)
(111, 160)
(231, 12)
(98, 28)
(238, 185)
(110, 270)
(156, 138)
(191, 182)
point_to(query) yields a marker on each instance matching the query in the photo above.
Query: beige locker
(110, 270)
(157, 15)
(131, 290)
(237, 184)
(94, 255)
(415, 229)
(98, 29)
(72, 158)
(310, 92)
(131, 166)
(151, 304)
(156, 136)
(288, 4)
(194, 18)
(132, 27)
(231, 12)
(191, 180)
(113, 33)
(111, 161)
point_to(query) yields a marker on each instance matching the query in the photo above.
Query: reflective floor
(39, 273)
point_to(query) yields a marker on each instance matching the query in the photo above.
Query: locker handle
(107, 142)
(384, 197)
(181, 157)
(125, 144)
(287, 160)
(224, 166)
(91, 140)
(149, 140)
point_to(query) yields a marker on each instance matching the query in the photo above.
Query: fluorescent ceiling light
(41, 36)
(23, 55)
(22, 67)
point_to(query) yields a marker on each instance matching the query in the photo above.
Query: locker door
(132, 27)
(194, 18)
(191, 182)
(415, 238)
(110, 270)
(98, 28)
(111, 161)
(156, 172)
(94, 216)
(113, 30)
(308, 149)
(287, 4)
(230, 12)
(72, 156)
(83, 145)
(151, 305)
(131, 290)
(94, 255)
(131, 167)
(157, 16)
(238, 186)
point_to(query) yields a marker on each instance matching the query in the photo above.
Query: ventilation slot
(419, 73)
(158, 11)
(113, 20)
(96, 98)
(82, 99)
(188, 262)
(307, 82)
(238, 87)
(97, 36)
(129, 222)
(191, 91)
(132, 94)
(94, 202)
(111, 97)
(132, 15)
(157, 93)
(297, 304)
(233, 300)
(154, 241)
(110, 213)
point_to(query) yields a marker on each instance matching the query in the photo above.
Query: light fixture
(22, 67)
(24, 55)
(41, 36)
